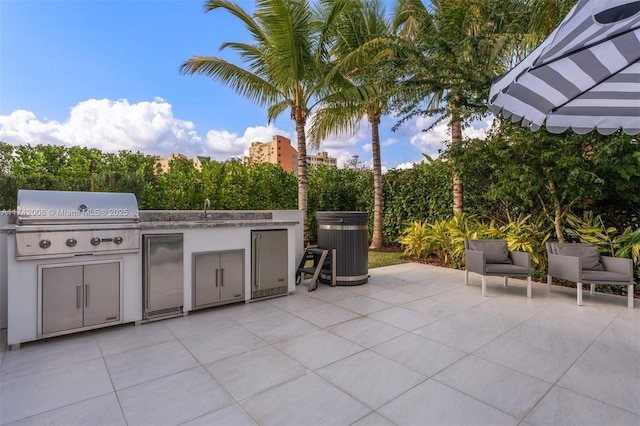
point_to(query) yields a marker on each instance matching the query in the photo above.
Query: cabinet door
(232, 272)
(101, 293)
(62, 299)
(206, 285)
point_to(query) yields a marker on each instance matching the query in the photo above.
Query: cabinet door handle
(221, 277)
(216, 277)
(86, 295)
(78, 296)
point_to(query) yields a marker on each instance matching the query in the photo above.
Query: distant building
(164, 161)
(322, 158)
(278, 151)
(198, 160)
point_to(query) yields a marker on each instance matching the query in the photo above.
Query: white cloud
(149, 127)
(407, 165)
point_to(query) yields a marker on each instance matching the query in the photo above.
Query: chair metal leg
(630, 289)
(484, 286)
(466, 277)
(529, 286)
(592, 288)
(506, 281)
(548, 283)
(579, 288)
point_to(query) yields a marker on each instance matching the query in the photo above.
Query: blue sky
(104, 74)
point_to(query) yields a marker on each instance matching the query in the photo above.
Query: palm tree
(286, 66)
(359, 43)
(459, 48)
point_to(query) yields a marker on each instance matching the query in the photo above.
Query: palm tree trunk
(300, 118)
(377, 239)
(456, 137)
(557, 219)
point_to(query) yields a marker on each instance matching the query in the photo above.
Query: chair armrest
(565, 267)
(475, 261)
(521, 258)
(617, 264)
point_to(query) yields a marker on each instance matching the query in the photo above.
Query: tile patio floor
(414, 346)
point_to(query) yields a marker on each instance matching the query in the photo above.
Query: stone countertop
(190, 219)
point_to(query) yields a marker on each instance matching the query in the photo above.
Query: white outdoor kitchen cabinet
(78, 296)
(218, 277)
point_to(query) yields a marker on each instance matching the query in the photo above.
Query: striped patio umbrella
(585, 75)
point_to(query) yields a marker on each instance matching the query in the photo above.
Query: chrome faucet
(207, 203)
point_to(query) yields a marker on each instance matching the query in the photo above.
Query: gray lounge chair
(583, 264)
(493, 258)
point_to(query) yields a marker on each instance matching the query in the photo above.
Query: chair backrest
(588, 252)
(496, 251)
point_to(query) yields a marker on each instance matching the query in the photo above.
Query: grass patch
(378, 259)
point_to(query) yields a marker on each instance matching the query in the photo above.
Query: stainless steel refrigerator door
(164, 287)
(270, 252)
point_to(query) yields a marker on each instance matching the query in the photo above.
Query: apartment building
(278, 151)
(322, 158)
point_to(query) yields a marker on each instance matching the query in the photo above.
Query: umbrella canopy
(585, 75)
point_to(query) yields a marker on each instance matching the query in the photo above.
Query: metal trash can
(347, 233)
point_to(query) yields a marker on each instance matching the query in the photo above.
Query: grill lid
(75, 207)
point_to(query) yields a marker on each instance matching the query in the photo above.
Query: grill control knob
(95, 241)
(118, 240)
(45, 244)
(71, 242)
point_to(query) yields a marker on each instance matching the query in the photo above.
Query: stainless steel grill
(70, 223)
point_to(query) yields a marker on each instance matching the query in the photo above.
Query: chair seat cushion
(495, 251)
(506, 269)
(589, 254)
(588, 276)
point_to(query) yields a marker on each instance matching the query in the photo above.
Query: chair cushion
(506, 269)
(495, 251)
(610, 277)
(589, 254)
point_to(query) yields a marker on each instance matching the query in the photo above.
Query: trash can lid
(355, 218)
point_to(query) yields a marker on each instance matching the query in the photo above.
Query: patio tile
(595, 380)
(318, 349)
(244, 313)
(373, 419)
(394, 297)
(419, 354)
(279, 327)
(425, 288)
(252, 372)
(508, 390)
(41, 356)
(233, 415)
(540, 363)
(570, 337)
(199, 322)
(101, 410)
(563, 407)
(330, 294)
(221, 344)
(173, 399)
(363, 305)
(403, 318)
(295, 302)
(326, 315)
(307, 400)
(54, 388)
(366, 332)
(128, 337)
(366, 289)
(371, 378)
(141, 365)
(432, 403)
(457, 336)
